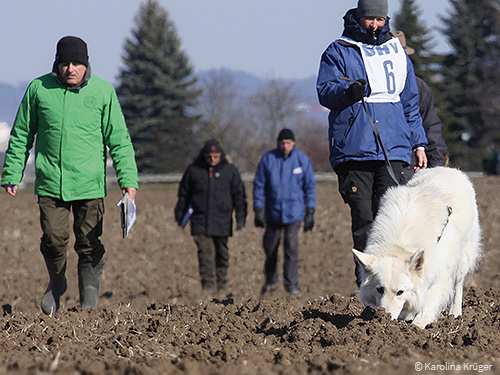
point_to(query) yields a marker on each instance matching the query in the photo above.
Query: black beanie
(373, 8)
(72, 49)
(211, 146)
(286, 134)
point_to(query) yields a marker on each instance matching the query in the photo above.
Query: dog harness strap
(450, 210)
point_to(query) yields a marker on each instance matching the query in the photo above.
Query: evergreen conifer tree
(426, 62)
(409, 20)
(157, 93)
(469, 72)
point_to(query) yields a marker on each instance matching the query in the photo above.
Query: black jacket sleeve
(436, 149)
(238, 196)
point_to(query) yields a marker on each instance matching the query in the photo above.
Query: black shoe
(268, 288)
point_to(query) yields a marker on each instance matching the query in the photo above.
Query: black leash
(378, 137)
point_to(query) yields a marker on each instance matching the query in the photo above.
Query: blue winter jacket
(284, 186)
(350, 134)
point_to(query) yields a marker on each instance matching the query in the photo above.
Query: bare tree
(311, 135)
(225, 117)
(218, 105)
(246, 124)
(274, 104)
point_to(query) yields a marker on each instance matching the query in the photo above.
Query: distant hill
(10, 96)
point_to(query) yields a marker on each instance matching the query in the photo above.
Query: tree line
(170, 112)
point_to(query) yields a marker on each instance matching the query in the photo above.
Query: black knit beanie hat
(72, 49)
(372, 8)
(286, 134)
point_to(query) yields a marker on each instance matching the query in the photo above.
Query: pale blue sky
(270, 38)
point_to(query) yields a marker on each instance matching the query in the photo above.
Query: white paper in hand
(129, 213)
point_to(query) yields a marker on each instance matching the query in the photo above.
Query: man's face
(373, 22)
(72, 73)
(213, 158)
(286, 146)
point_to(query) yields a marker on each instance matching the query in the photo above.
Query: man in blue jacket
(365, 75)
(284, 194)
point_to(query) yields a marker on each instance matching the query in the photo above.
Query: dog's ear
(406, 252)
(416, 262)
(364, 260)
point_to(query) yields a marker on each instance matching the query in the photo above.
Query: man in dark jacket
(436, 149)
(212, 188)
(284, 194)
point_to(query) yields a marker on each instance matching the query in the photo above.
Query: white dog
(424, 241)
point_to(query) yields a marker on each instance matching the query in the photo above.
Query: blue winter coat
(284, 186)
(350, 134)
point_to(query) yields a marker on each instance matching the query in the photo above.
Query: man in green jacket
(75, 117)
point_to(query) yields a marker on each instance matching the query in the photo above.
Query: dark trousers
(361, 185)
(272, 237)
(213, 262)
(87, 227)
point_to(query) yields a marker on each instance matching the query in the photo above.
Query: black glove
(357, 90)
(240, 223)
(260, 219)
(309, 219)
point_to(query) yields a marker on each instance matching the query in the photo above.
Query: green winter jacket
(72, 128)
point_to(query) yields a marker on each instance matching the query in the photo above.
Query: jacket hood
(353, 30)
(200, 160)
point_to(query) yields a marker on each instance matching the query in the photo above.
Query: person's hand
(240, 223)
(11, 189)
(131, 192)
(309, 219)
(421, 158)
(260, 219)
(357, 90)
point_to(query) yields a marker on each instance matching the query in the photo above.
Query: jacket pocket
(344, 125)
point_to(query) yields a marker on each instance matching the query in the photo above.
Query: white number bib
(385, 66)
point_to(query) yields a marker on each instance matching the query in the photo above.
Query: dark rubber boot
(89, 284)
(57, 284)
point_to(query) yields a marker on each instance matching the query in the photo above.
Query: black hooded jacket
(213, 194)
(436, 150)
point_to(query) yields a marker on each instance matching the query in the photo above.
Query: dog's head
(391, 281)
